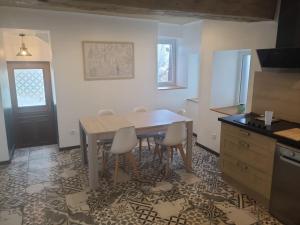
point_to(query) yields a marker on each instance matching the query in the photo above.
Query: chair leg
(116, 169)
(103, 162)
(133, 163)
(140, 149)
(149, 147)
(125, 164)
(169, 150)
(160, 153)
(155, 151)
(182, 154)
(172, 153)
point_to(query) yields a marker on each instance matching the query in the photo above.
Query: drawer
(249, 153)
(250, 137)
(247, 175)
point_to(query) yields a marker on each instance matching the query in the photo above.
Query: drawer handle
(244, 144)
(245, 133)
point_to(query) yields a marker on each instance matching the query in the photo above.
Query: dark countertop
(269, 131)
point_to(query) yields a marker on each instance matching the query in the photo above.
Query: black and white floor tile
(44, 186)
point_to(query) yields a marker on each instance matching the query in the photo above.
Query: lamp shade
(23, 50)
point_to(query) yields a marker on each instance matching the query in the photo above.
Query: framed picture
(108, 60)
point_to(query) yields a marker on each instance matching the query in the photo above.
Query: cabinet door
(246, 175)
(231, 168)
(256, 180)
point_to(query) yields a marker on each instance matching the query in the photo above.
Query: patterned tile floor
(44, 186)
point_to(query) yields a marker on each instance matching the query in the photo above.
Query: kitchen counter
(268, 131)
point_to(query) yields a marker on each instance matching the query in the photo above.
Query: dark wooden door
(32, 103)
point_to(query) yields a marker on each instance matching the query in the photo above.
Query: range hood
(286, 55)
(281, 58)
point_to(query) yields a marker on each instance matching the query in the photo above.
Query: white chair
(123, 143)
(142, 109)
(175, 136)
(181, 112)
(105, 142)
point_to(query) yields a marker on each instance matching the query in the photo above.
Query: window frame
(172, 70)
(242, 78)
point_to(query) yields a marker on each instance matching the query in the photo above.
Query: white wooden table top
(140, 120)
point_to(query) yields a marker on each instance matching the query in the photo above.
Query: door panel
(34, 118)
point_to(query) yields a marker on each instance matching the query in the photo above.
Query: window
(230, 78)
(166, 62)
(30, 89)
(244, 79)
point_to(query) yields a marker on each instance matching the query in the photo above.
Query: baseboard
(208, 149)
(69, 148)
(5, 162)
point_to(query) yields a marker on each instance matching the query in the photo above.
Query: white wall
(4, 155)
(38, 42)
(217, 36)
(224, 78)
(188, 49)
(76, 97)
(192, 35)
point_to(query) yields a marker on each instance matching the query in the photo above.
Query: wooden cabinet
(247, 158)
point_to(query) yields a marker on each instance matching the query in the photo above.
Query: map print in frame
(108, 60)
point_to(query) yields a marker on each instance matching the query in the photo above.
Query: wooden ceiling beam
(249, 10)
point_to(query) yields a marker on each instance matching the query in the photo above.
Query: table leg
(189, 145)
(93, 161)
(83, 144)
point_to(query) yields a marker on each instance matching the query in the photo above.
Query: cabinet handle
(245, 133)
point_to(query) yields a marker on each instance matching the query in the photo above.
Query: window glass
(30, 88)
(245, 72)
(166, 62)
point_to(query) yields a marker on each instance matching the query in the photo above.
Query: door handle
(290, 161)
(245, 133)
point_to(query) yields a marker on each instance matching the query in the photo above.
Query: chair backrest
(124, 140)
(176, 134)
(140, 109)
(106, 112)
(181, 112)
